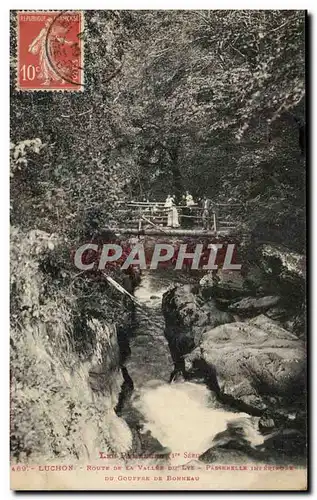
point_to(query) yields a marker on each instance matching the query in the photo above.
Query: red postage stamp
(50, 50)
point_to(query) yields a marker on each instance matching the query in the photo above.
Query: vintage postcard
(158, 241)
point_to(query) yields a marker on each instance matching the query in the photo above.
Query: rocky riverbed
(204, 367)
(218, 370)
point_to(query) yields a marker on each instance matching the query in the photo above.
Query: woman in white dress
(172, 214)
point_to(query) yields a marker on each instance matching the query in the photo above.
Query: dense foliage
(210, 101)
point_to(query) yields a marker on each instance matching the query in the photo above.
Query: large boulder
(249, 306)
(187, 316)
(256, 362)
(271, 274)
(241, 442)
(223, 285)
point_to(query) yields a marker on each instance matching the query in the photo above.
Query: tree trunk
(173, 152)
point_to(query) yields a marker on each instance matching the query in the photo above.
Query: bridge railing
(140, 213)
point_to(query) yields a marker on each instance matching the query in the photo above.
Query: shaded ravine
(181, 418)
(150, 358)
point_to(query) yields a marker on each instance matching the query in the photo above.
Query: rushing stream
(183, 416)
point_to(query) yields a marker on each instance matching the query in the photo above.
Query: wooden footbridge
(151, 218)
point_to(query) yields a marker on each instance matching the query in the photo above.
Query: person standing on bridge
(188, 203)
(189, 200)
(172, 214)
(189, 212)
(206, 213)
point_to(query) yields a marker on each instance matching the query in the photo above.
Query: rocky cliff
(243, 335)
(65, 359)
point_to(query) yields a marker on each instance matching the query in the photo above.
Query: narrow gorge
(209, 367)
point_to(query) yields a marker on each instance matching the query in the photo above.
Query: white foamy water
(184, 416)
(181, 417)
(145, 291)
